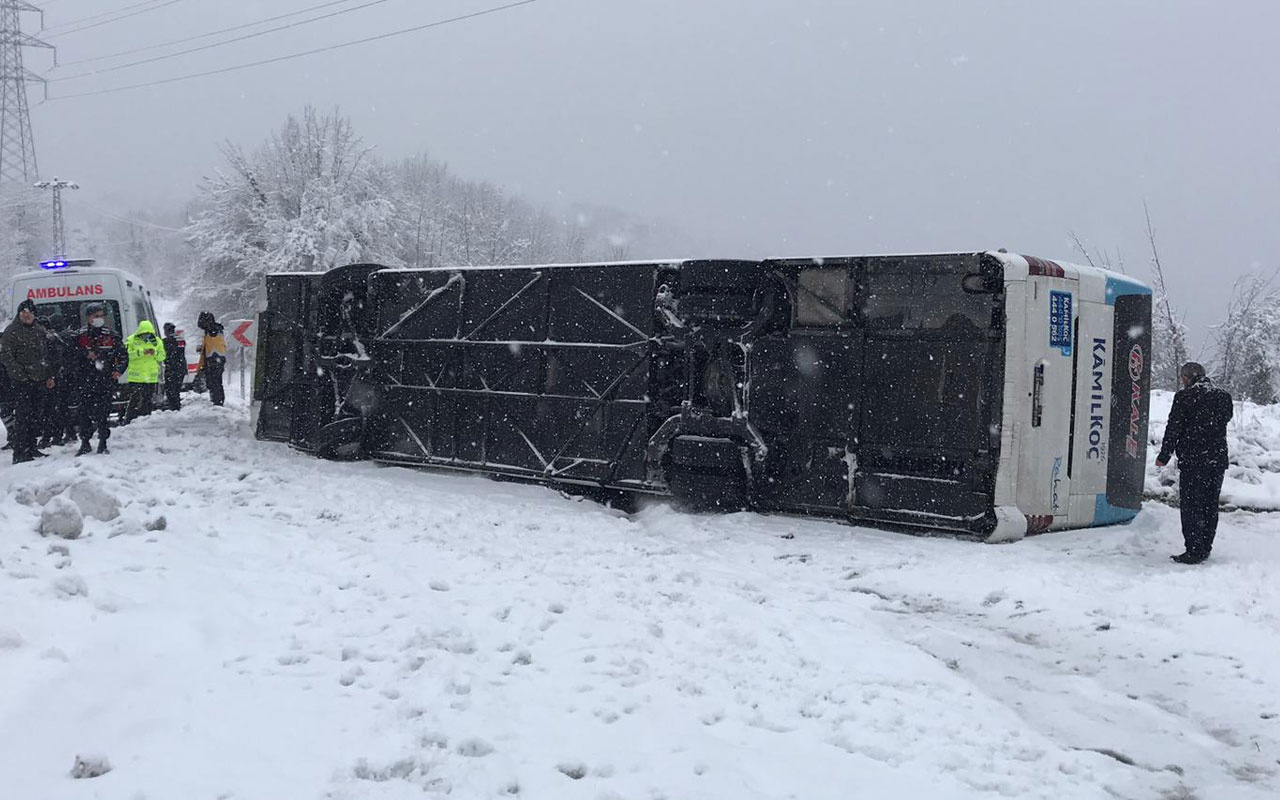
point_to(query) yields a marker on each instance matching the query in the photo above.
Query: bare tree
(1099, 259)
(1168, 334)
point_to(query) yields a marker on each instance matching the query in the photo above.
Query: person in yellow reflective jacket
(213, 356)
(146, 354)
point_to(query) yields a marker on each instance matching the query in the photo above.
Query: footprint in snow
(474, 748)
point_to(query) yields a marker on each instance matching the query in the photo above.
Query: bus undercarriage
(867, 388)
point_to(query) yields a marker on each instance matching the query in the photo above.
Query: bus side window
(824, 298)
(902, 297)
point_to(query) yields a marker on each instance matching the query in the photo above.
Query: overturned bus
(987, 393)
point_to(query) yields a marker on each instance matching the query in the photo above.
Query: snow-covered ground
(302, 629)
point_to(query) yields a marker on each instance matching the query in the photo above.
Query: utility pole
(17, 147)
(59, 228)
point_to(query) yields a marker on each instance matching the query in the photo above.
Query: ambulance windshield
(68, 315)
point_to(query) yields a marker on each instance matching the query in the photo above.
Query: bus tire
(342, 440)
(708, 493)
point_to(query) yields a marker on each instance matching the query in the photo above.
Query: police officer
(1197, 434)
(59, 426)
(102, 360)
(175, 366)
(25, 352)
(146, 355)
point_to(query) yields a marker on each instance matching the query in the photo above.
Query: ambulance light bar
(63, 263)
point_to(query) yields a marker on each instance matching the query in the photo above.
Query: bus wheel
(708, 475)
(342, 440)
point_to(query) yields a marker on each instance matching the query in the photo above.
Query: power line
(115, 19)
(144, 223)
(188, 51)
(92, 17)
(198, 37)
(292, 56)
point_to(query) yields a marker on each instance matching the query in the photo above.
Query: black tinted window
(917, 297)
(824, 297)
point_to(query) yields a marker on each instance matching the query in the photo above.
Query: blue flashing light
(56, 264)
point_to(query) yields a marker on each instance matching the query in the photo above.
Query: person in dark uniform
(6, 401)
(1197, 434)
(25, 351)
(101, 360)
(59, 426)
(175, 366)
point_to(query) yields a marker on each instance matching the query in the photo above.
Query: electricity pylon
(17, 147)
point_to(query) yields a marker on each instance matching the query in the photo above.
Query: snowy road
(302, 629)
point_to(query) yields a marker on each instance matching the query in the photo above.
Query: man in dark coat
(175, 366)
(25, 352)
(59, 424)
(6, 407)
(102, 360)
(1197, 434)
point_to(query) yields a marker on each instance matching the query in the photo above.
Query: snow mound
(38, 494)
(94, 501)
(69, 586)
(90, 767)
(1252, 481)
(61, 517)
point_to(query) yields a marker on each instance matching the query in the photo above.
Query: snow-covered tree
(310, 198)
(313, 197)
(26, 231)
(1248, 341)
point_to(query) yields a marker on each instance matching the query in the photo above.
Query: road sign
(244, 332)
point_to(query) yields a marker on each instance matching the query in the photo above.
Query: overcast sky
(765, 127)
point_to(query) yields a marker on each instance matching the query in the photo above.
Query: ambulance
(63, 289)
